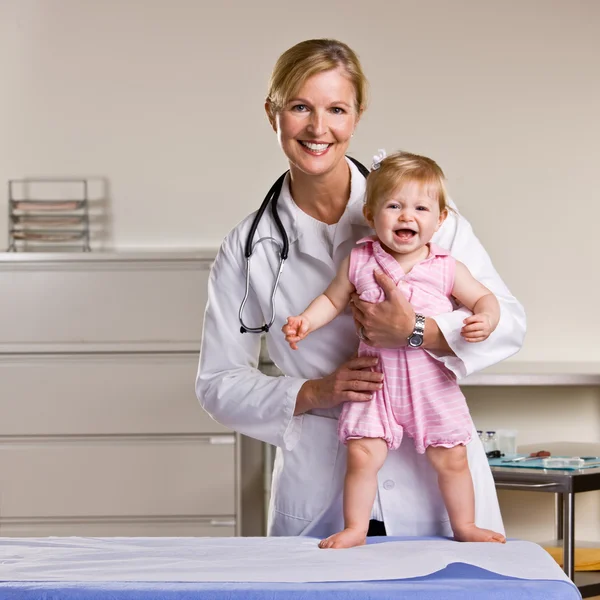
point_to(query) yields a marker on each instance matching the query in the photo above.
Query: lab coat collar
(353, 216)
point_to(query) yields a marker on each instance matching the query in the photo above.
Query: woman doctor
(315, 101)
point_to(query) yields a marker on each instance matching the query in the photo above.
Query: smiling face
(406, 218)
(315, 126)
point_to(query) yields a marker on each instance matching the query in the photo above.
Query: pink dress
(420, 396)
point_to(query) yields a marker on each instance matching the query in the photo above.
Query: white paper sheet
(294, 559)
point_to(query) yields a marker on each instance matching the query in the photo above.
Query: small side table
(564, 484)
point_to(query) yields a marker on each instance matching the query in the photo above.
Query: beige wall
(164, 100)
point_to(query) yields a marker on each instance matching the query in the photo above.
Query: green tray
(537, 464)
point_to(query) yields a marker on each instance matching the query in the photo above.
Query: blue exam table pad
(72, 568)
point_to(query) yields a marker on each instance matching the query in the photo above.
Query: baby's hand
(295, 329)
(477, 328)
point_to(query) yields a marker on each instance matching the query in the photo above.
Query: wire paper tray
(46, 211)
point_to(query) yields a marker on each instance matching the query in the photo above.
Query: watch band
(419, 324)
(415, 339)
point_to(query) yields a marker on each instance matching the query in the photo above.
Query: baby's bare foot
(348, 538)
(472, 533)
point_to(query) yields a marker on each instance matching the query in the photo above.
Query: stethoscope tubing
(271, 197)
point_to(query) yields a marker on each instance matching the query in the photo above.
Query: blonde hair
(309, 58)
(404, 167)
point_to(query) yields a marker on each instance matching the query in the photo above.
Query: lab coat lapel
(307, 241)
(311, 244)
(353, 225)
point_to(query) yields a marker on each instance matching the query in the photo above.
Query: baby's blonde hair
(404, 167)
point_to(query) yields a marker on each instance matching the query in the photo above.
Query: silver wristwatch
(415, 339)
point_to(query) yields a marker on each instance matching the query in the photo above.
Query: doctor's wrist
(305, 400)
(433, 338)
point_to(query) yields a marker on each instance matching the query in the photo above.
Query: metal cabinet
(100, 429)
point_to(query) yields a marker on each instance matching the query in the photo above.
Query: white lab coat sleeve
(508, 337)
(229, 385)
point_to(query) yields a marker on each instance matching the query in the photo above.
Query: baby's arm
(322, 309)
(478, 299)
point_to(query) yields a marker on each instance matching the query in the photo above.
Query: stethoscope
(283, 247)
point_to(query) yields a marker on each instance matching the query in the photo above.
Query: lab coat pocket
(303, 476)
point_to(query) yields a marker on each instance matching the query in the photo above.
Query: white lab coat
(310, 462)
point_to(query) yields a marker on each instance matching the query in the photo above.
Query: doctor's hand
(387, 324)
(295, 329)
(354, 381)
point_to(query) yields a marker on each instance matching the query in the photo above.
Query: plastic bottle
(490, 441)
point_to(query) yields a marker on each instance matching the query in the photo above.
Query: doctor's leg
(456, 486)
(365, 457)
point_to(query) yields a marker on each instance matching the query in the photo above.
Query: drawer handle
(524, 485)
(222, 439)
(222, 522)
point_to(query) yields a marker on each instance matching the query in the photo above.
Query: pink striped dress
(420, 396)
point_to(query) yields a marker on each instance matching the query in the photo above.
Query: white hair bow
(381, 154)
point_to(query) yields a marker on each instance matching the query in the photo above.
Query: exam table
(80, 569)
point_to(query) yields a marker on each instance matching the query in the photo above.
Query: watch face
(414, 341)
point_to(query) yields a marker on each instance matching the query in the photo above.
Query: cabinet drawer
(101, 394)
(158, 527)
(117, 476)
(102, 305)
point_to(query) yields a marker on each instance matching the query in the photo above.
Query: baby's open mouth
(405, 235)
